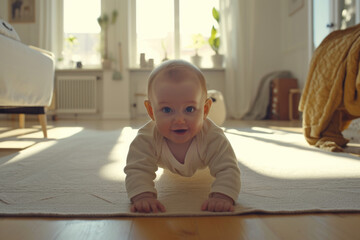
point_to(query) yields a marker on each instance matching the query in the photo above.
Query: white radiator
(76, 94)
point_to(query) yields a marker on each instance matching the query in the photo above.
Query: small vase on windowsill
(196, 60)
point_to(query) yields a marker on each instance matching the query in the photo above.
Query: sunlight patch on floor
(128, 134)
(286, 163)
(23, 155)
(56, 133)
(114, 170)
(266, 134)
(16, 144)
(289, 129)
(285, 155)
(10, 133)
(40, 142)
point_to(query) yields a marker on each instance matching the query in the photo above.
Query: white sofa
(26, 79)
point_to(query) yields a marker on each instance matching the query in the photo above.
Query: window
(81, 33)
(347, 12)
(169, 32)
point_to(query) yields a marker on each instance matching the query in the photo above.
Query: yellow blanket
(330, 99)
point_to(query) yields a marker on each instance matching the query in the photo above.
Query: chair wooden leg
(21, 120)
(43, 122)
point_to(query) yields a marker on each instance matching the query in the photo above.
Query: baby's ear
(207, 107)
(149, 109)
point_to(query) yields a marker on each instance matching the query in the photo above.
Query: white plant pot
(196, 60)
(218, 60)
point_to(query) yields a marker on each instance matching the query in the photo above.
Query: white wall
(266, 55)
(28, 32)
(294, 41)
(118, 94)
(280, 40)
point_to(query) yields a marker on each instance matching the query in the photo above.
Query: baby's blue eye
(190, 109)
(166, 110)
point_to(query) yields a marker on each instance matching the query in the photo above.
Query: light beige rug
(81, 174)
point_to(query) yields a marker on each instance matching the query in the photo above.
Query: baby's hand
(145, 203)
(218, 202)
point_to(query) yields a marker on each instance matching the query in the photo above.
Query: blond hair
(175, 69)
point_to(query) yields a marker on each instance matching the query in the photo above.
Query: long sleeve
(223, 165)
(141, 164)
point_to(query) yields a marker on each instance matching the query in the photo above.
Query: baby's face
(178, 107)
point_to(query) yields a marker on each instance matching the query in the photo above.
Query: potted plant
(104, 22)
(214, 41)
(198, 41)
(68, 53)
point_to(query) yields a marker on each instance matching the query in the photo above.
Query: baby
(180, 138)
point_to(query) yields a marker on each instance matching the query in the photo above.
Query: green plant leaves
(216, 14)
(104, 19)
(214, 40)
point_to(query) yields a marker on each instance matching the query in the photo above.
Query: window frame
(132, 32)
(60, 36)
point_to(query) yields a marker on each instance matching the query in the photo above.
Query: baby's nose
(179, 118)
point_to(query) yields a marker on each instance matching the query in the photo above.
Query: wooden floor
(254, 226)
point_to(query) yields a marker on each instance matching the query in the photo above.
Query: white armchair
(26, 78)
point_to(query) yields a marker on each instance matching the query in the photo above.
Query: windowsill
(132, 69)
(209, 69)
(80, 72)
(84, 69)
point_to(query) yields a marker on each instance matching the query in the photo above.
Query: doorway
(330, 15)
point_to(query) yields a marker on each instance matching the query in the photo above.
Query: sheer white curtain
(50, 25)
(238, 27)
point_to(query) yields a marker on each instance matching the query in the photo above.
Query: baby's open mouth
(180, 131)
